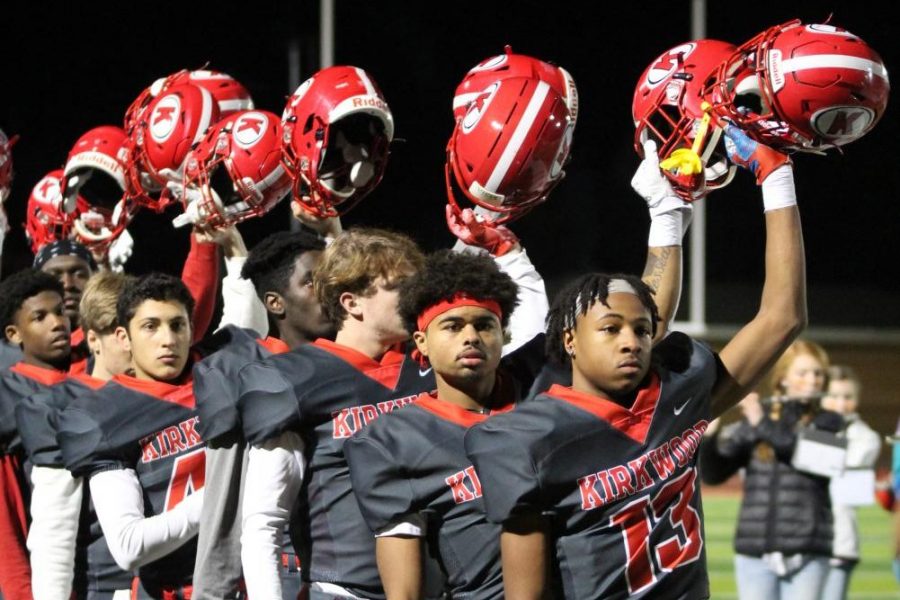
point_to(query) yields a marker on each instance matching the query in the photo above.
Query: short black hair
(153, 286)
(578, 297)
(270, 264)
(21, 286)
(446, 274)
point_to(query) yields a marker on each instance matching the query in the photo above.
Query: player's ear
(568, 342)
(421, 341)
(12, 335)
(350, 303)
(123, 337)
(274, 303)
(93, 341)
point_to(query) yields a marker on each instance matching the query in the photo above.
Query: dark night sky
(69, 70)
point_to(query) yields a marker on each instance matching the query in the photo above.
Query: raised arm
(782, 308)
(670, 218)
(475, 234)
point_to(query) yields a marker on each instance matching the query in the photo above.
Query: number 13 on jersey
(667, 510)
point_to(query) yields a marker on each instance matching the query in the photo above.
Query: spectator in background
(863, 446)
(784, 532)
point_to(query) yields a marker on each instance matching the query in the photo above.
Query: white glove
(670, 216)
(120, 251)
(653, 186)
(190, 198)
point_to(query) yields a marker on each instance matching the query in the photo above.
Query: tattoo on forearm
(656, 267)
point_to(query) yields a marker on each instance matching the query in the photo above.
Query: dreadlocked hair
(446, 274)
(578, 297)
(270, 264)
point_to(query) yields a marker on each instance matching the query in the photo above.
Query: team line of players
(399, 472)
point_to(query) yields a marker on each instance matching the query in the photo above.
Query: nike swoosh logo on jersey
(424, 372)
(678, 409)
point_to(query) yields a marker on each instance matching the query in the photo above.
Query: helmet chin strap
(73, 184)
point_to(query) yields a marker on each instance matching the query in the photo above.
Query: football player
(409, 469)
(601, 476)
(327, 391)
(63, 526)
(280, 268)
(33, 318)
(136, 439)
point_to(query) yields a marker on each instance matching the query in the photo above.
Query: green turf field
(872, 578)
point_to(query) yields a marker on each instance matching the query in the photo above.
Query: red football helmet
(248, 147)
(96, 169)
(230, 95)
(800, 87)
(45, 218)
(6, 164)
(509, 64)
(668, 107)
(337, 132)
(507, 153)
(174, 121)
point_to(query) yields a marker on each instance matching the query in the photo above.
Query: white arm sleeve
(530, 316)
(55, 506)
(240, 304)
(411, 525)
(274, 477)
(133, 539)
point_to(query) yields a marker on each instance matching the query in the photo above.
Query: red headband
(461, 299)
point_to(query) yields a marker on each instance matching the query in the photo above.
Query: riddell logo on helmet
(368, 102)
(776, 73)
(164, 117)
(249, 129)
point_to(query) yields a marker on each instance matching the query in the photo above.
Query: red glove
(745, 152)
(496, 239)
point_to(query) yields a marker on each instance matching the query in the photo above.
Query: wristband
(778, 189)
(666, 229)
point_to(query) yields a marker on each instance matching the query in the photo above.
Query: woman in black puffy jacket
(784, 533)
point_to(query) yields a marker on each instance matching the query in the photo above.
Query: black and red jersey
(619, 486)
(96, 572)
(327, 392)
(17, 383)
(151, 428)
(413, 461)
(216, 378)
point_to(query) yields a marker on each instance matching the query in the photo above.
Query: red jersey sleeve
(201, 276)
(15, 570)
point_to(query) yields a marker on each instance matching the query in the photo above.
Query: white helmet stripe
(235, 105)
(370, 89)
(518, 136)
(205, 115)
(833, 61)
(276, 174)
